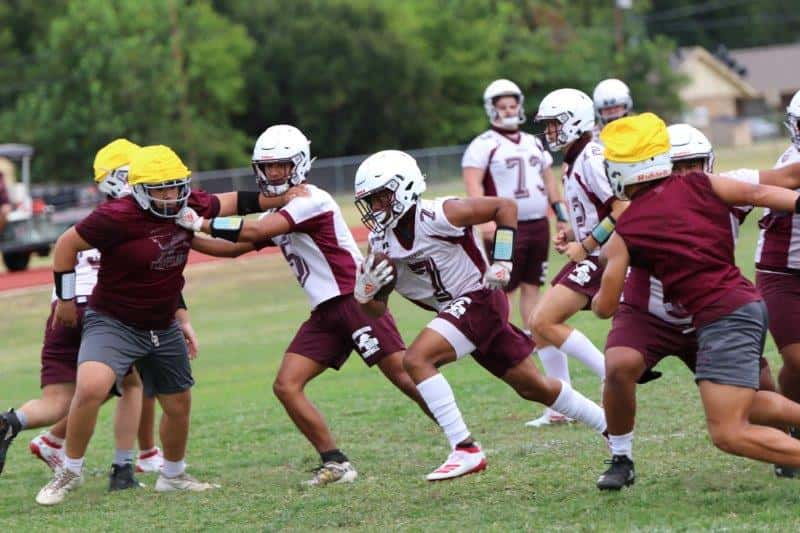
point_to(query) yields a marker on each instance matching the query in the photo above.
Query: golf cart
(30, 228)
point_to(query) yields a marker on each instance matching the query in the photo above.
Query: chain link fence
(336, 174)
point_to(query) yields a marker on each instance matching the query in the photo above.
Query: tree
(157, 71)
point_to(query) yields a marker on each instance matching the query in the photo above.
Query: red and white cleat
(460, 462)
(150, 461)
(49, 452)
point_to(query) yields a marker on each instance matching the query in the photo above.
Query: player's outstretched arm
(246, 202)
(787, 177)
(606, 301)
(463, 212)
(220, 247)
(235, 229)
(734, 192)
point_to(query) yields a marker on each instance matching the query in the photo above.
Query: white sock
(74, 465)
(52, 438)
(556, 365)
(575, 405)
(173, 469)
(439, 398)
(622, 444)
(581, 348)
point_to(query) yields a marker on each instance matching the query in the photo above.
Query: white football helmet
(572, 109)
(503, 87)
(687, 143)
(281, 144)
(610, 93)
(792, 119)
(115, 184)
(620, 174)
(393, 171)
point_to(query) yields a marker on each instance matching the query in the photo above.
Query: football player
(612, 100)
(694, 260)
(505, 161)
(778, 274)
(317, 244)
(440, 267)
(568, 118)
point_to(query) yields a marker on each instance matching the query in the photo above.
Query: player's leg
(126, 425)
(392, 367)
(150, 456)
(549, 327)
(431, 349)
(166, 372)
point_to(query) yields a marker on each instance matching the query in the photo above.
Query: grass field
(246, 312)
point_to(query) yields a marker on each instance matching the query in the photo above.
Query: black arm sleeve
(247, 202)
(182, 302)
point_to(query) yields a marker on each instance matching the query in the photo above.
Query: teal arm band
(503, 249)
(227, 228)
(602, 232)
(560, 211)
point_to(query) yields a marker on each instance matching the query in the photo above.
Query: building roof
(717, 67)
(771, 68)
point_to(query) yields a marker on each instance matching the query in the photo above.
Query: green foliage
(154, 71)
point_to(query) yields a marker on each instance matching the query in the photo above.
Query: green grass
(246, 312)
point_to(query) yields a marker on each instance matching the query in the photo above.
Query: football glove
(371, 278)
(497, 275)
(189, 219)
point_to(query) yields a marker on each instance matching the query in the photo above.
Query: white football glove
(371, 278)
(497, 275)
(189, 219)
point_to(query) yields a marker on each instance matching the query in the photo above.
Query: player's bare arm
(734, 192)
(473, 184)
(220, 247)
(606, 301)
(556, 200)
(787, 177)
(235, 229)
(246, 202)
(64, 257)
(465, 212)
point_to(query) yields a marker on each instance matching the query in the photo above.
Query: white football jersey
(319, 247)
(636, 285)
(85, 272)
(442, 263)
(778, 248)
(512, 169)
(587, 191)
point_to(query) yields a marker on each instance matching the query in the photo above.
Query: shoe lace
(63, 477)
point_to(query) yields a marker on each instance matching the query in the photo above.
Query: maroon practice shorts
(781, 293)
(652, 337)
(531, 248)
(583, 278)
(60, 349)
(480, 317)
(338, 326)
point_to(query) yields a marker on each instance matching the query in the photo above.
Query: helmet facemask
(158, 204)
(115, 183)
(605, 116)
(557, 139)
(511, 123)
(390, 211)
(278, 186)
(792, 124)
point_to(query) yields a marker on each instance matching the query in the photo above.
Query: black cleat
(619, 474)
(122, 478)
(785, 470)
(9, 427)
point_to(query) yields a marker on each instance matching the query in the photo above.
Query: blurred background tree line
(206, 77)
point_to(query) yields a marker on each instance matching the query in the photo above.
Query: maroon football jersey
(680, 232)
(142, 259)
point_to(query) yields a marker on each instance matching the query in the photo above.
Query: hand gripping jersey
(319, 247)
(586, 188)
(85, 273)
(778, 248)
(646, 292)
(442, 262)
(512, 169)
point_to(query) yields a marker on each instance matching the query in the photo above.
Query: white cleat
(150, 461)
(460, 462)
(49, 452)
(332, 472)
(182, 482)
(54, 492)
(549, 418)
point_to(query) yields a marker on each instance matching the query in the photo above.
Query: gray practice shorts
(730, 348)
(161, 356)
